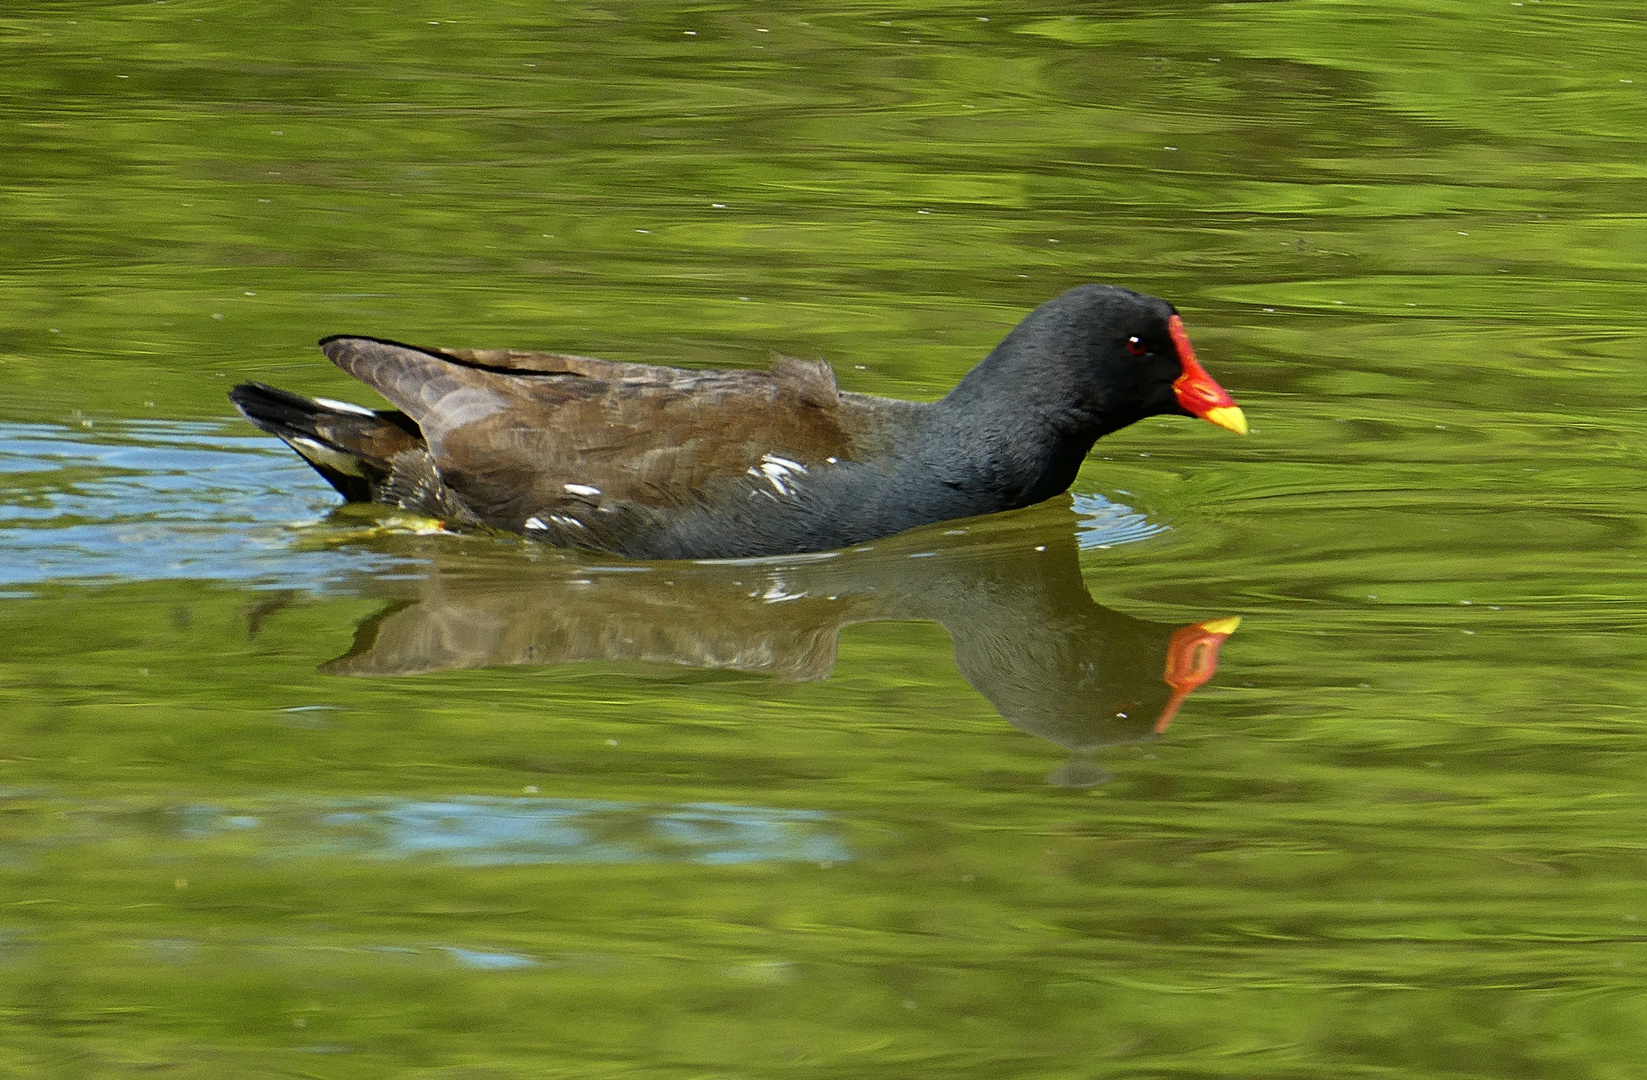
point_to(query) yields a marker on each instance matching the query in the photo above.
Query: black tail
(352, 447)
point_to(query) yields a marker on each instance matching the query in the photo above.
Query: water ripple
(156, 500)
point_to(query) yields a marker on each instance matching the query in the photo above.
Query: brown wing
(545, 440)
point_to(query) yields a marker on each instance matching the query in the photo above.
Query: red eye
(1136, 346)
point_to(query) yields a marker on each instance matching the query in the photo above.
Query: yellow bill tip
(1225, 625)
(1228, 417)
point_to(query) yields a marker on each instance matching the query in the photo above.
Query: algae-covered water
(289, 792)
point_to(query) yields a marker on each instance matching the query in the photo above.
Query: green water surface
(292, 793)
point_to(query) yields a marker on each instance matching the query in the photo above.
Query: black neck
(997, 454)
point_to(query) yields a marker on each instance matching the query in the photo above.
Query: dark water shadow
(1027, 634)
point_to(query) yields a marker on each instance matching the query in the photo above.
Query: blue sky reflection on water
(491, 831)
(153, 501)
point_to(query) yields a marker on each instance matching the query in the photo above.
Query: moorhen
(668, 463)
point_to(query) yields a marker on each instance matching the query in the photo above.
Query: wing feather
(607, 446)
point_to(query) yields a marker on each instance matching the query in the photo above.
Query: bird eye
(1136, 346)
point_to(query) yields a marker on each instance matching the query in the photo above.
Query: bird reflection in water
(1027, 634)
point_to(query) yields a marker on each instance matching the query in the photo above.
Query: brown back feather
(509, 430)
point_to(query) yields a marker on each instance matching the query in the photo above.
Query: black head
(1099, 358)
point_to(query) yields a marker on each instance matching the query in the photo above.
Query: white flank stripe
(777, 474)
(783, 463)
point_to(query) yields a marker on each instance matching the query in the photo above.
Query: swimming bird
(656, 462)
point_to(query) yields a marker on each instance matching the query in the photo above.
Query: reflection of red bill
(1192, 658)
(1199, 393)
